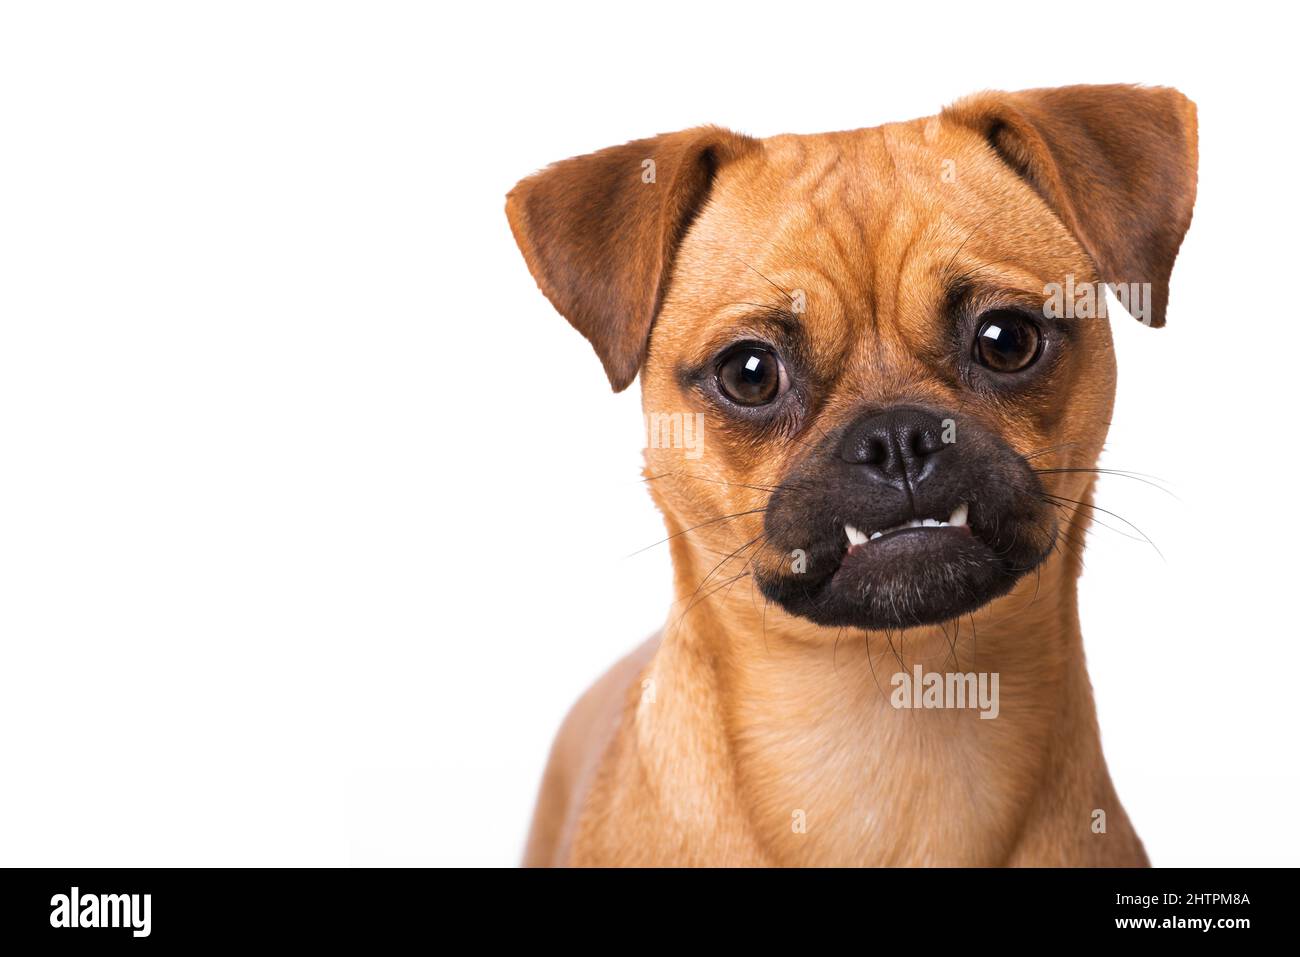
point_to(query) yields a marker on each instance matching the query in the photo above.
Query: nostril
(869, 449)
(876, 451)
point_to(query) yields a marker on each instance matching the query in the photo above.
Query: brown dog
(899, 426)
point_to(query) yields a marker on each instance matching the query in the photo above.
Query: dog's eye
(1007, 341)
(751, 375)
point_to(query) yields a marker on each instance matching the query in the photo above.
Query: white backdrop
(314, 516)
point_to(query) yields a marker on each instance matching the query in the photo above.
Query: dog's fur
(764, 705)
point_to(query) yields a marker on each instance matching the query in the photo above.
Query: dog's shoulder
(583, 738)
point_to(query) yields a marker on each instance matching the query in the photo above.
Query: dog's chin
(913, 577)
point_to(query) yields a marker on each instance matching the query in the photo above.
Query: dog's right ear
(599, 233)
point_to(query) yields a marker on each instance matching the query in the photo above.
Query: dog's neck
(804, 737)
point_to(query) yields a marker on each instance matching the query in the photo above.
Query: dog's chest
(872, 787)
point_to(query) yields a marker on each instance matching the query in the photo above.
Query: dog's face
(886, 334)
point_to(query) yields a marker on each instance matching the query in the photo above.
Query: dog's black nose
(897, 446)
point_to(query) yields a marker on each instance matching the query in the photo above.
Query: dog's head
(893, 339)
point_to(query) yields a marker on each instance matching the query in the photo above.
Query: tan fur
(702, 747)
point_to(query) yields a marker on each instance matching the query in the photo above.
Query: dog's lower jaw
(744, 749)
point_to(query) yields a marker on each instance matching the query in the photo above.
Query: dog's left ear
(600, 232)
(1117, 164)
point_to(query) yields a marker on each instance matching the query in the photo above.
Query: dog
(900, 427)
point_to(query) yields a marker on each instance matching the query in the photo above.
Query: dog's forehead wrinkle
(868, 222)
(887, 148)
(821, 180)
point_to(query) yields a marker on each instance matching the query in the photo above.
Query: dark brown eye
(1007, 341)
(751, 375)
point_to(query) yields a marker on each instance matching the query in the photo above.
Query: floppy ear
(1116, 163)
(599, 233)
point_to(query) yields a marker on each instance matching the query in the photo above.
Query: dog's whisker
(946, 272)
(889, 637)
(1093, 521)
(1049, 449)
(1152, 480)
(871, 661)
(712, 521)
(1098, 508)
(761, 488)
(758, 305)
(787, 295)
(723, 584)
(655, 478)
(726, 559)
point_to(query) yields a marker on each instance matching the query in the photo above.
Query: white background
(314, 515)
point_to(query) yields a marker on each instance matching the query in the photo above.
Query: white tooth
(930, 522)
(944, 525)
(875, 535)
(914, 523)
(855, 537)
(958, 516)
